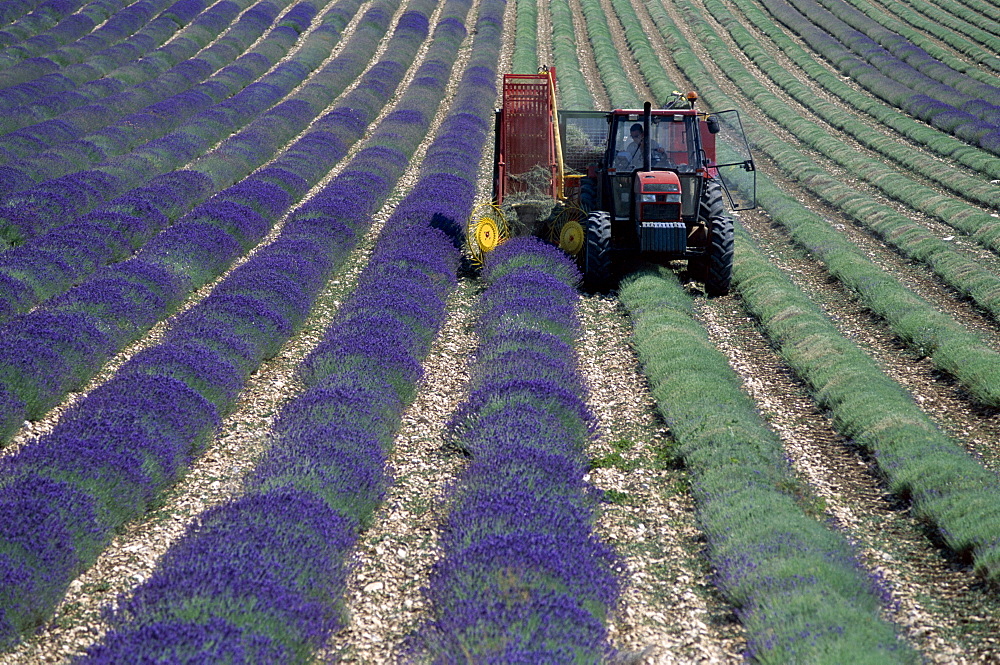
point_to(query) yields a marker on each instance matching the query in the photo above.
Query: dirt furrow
(669, 611)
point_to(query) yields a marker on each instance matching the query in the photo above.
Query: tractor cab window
(670, 145)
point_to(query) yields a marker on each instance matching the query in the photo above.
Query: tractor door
(727, 152)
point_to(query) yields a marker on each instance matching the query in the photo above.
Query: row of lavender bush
(798, 587)
(875, 43)
(573, 90)
(132, 25)
(112, 453)
(951, 347)
(954, 496)
(975, 55)
(956, 268)
(95, 133)
(50, 91)
(971, 187)
(942, 37)
(53, 111)
(131, 28)
(969, 28)
(32, 211)
(324, 472)
(607, 57)
(13, 10)
(68, 29)
(70, 337)
(972, 119)
(54, 261)
(946, 485)
(934, 140)
(522, 578)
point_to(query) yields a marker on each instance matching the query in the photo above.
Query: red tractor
(616, 197)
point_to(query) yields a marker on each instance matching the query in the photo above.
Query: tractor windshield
(672, 145)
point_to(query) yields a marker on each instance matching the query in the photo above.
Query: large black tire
(715, 269)
(596, 262)
(719, 268)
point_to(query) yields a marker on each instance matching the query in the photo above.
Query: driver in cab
(633, 151)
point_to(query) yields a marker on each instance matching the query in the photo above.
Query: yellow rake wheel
(487, 229)
(567, 230)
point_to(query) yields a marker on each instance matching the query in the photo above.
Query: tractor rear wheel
(596, 253)
(715, 269)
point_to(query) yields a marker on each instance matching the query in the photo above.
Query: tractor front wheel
(597, 272)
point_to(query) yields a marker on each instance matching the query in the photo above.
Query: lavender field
(258, 405)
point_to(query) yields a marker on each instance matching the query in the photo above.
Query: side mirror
(713, 124)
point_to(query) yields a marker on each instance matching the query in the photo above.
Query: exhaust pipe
(647, 154)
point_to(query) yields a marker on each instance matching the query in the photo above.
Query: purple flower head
(547, 627)
(45, 521)
(531, 251)
(77, 337)
(162, 283)
(496, 396)
(520, 364)
(338, 405)
(240, 221)
(279, 553)
(197, 250)
(277, 290)
(120, 307)
(342, 466)
(85, 244)
(200, 368)
(249, 319)
(379, 347)
(291, 183)
(191, 642)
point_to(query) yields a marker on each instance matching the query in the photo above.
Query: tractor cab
(652, 188)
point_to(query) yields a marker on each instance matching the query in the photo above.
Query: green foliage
(947, 486)
(525, 58)
(803, 596)
(574, 93)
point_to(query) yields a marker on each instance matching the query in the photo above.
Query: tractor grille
(661, 212)
(663, 236)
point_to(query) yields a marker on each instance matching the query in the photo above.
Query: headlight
(673, 198)
(648, 198)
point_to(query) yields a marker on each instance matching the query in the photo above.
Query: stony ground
(669, 611)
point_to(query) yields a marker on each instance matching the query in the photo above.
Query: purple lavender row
(63, 496)
(323, 477)
(522, 577)
(121, 35)
(51, 263)
(11, 10)
(33, 211)
(38, 367)
(43, 17)
(974, 120)
(933, 77)
(52, 89)
(53, 110)
(72, 28)
(76, 150)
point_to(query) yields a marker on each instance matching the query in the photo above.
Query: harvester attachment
(487, 229)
